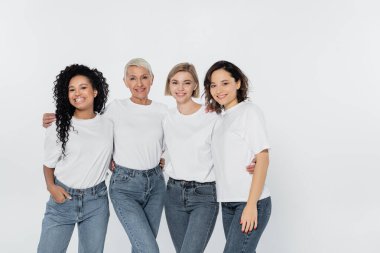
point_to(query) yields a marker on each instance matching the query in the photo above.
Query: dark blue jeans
(191, 210)
(138, 199)
(237, 241)
(88, 208)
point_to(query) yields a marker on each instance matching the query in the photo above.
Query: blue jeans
(191, 210)
(88, 208)
(238, 241)
(138, 199)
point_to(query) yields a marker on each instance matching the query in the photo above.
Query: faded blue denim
(237, 241)
(191, 210)
(138, 199)
(88, 208)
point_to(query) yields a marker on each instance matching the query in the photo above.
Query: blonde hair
(139, 62)
(185, 67)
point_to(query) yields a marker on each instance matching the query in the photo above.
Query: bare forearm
(259, 176)
(49, 177)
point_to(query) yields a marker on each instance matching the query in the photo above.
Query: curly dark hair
(236, 73)
(64, 110)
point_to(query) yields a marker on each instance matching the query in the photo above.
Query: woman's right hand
(47, 119)
(58, 194)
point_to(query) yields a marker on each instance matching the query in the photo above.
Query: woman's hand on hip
(59, 194)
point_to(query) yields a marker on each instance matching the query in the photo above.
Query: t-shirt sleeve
(109, 110)
(256, 134)
(165, 153)
(52, 148)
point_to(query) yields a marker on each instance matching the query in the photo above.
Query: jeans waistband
(233, 204)
(133, 172)
(185, 183)
(92, 190)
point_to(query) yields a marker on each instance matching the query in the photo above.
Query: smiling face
(223, 88)
(182, 86)
(81, 93)
(138, 80)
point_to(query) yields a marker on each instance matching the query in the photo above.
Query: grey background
(314, 66)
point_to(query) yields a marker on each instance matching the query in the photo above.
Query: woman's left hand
(248, 218)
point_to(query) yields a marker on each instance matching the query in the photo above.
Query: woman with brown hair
(239, 136)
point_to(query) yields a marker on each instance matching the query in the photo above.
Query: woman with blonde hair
(191, 206)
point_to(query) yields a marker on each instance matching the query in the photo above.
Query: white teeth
(78, 100)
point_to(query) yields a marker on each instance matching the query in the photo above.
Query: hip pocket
(205, 190)
(102, 193)
(264, 206)
(120, 177)
(52, 201)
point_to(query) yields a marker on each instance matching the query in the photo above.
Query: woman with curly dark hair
(137, 185)
(77, 155)
(239, 136)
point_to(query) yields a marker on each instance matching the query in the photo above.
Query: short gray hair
(139, 62)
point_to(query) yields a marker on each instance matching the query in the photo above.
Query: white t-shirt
(138, 134)
(188, 145)
(239, 134)
(88, 152)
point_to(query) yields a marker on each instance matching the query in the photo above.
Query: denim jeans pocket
(52, 201)
(264, 206)
(64, 208)
(205, 190)
(102, 193)
(120, 176)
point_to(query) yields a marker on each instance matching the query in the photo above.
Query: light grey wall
(314, 66)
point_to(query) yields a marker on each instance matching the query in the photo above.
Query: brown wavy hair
(236, 73)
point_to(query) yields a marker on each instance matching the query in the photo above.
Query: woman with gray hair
(137, 186)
